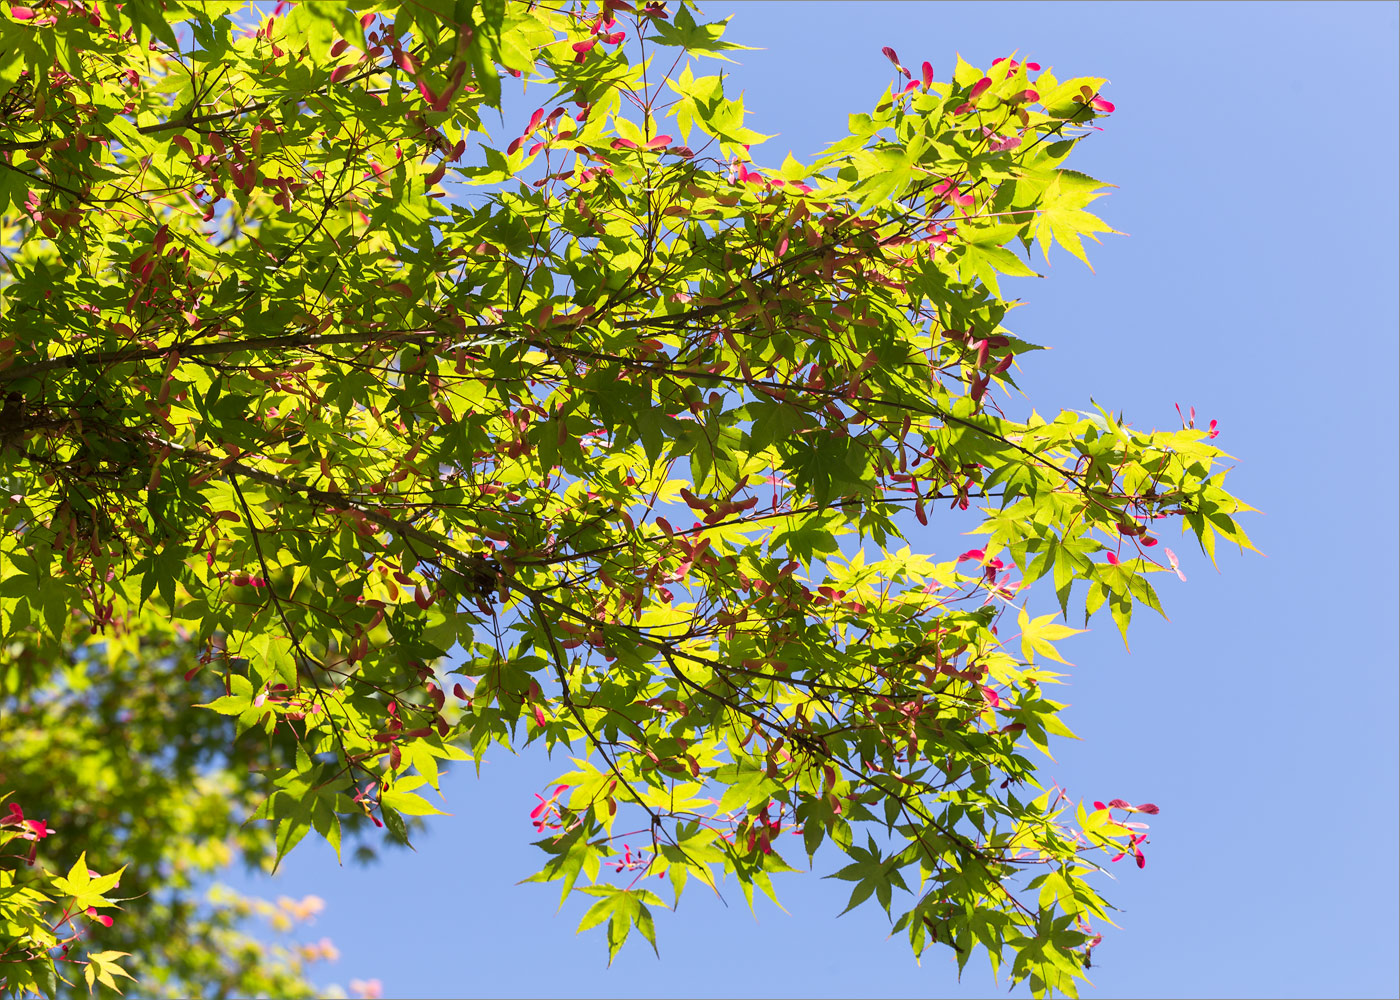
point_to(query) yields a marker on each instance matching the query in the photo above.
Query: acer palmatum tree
(607, 437)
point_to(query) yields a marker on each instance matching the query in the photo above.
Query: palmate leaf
(103, 968)
(1060, 217)
(622, 909)
(1038, 635)
(573, 854)
(695, 39)
(872, 873)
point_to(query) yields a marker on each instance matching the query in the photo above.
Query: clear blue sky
(1254, 148)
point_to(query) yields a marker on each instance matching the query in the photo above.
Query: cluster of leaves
(107, 745)
(628, 424)
(32, 934)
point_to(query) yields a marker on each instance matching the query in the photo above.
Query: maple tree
(402, 441)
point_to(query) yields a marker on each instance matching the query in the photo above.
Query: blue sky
(1254, 151)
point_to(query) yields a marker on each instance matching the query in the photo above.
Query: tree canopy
(340, 440)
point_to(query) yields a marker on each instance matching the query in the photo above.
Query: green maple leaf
(1060, 217)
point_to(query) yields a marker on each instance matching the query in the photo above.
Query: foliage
(607, 440)
(166, 800)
